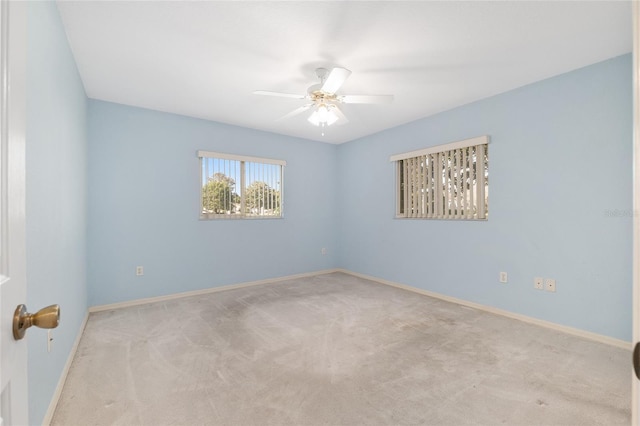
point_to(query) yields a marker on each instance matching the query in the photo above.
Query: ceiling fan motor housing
(322, 74)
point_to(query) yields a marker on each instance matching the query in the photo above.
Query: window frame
(242, 159)
(439, 212)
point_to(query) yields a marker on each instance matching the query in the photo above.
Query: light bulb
(331, 117)
(324, 115)
(313, 119)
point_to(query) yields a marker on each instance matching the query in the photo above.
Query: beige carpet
(335, 350)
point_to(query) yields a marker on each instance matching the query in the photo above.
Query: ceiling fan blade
(336, 78)
(342, 119)
(282, 95)
(366, 99)
(296, 111)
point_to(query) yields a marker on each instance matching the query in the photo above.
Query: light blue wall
(144, 205)
(560, 165)
(56, 153)
(560, 161)
(560, 202)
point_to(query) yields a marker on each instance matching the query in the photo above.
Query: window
(240, 187)
(448, 181)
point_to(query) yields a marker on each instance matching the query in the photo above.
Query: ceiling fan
(325, 100)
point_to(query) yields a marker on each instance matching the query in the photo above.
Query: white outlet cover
(503, 277)
(550, 285)
(538, 283)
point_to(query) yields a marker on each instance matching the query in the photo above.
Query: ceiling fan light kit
(324, 99)
(323, 116)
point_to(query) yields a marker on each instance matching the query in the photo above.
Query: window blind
(444, 182)
(234, 186)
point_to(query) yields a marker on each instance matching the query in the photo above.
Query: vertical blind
(445, 182)
(235, 186)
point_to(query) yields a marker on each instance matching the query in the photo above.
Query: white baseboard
(547, 324)
(99, 308)
(63, 376)
(562, 328)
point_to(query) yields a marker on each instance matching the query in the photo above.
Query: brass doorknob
(48, 317)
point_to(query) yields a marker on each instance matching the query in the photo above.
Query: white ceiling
(205, 58)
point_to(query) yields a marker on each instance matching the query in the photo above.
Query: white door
(635, 394)
(13, 368)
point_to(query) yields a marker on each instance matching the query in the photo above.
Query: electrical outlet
(503, 277)
(323, 251)
(538, 283)
(550, 285)
(139, 270)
